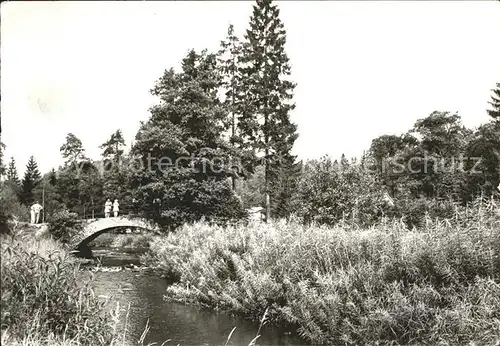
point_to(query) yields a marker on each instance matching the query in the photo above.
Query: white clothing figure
(32, 215)
(116, 208)
(35, 212)
(107, 208)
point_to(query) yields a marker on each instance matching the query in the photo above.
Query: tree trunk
(233, 178)
(266, 175)
(233, 129)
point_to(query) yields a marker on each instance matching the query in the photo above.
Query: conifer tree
(114, 182)
(266, 93)
(12, 172)
(30, 181)
(72, 150)
(113, 147)
(495, 103)
(12, 177)
(228, 62)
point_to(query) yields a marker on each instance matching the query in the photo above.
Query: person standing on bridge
(107, 208)
(116, 207)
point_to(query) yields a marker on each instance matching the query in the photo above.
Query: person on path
(116, 208)
(35, 212)
(107, 208)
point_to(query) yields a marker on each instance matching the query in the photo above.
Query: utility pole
(43, 202)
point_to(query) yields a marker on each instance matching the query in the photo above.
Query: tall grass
(382, 285)
(43, 300)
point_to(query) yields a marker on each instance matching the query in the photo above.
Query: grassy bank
(43, 301)
(384, 285)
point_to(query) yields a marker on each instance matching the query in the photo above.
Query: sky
(363, 69)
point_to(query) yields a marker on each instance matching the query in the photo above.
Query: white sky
(363, 68)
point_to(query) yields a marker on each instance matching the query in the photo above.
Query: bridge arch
(93, 228)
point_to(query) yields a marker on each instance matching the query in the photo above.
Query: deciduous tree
(183, 152)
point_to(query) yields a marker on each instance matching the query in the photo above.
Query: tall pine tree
(266, 94)
(30, 181)
(72, 150)
(113, 147)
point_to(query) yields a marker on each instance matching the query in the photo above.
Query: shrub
(10, 208)
(64, 225)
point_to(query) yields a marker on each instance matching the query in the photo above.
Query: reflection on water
(182, 324)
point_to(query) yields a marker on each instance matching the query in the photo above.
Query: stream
(139, 296)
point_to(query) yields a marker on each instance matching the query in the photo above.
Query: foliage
(485, 168)
(252, 190)
(330, 192)
(265, 93)
(51, 197)
(113, 147)
(10, 205)
(30, 181)
(78, 185)
(64, 225)
(90, 188)
(2, 165)
(386, 285)
(495, 103)
(43, 297)
(114, 170)
(114, 240)
(186, 162)
(228, 62)
(12, 172)
(72, 150)
(438, 159)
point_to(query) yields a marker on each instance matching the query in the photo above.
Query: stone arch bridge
(95, 227)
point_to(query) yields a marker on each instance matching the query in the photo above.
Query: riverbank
(52, 298)
(43, 301)
(384, 285)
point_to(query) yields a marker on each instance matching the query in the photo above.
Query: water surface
(178, 323)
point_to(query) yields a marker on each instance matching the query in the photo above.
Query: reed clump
(387, 284)
(44, 302)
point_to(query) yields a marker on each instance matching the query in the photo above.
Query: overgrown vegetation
(44, 301)
(382, 285)
(64, 225)
(337, 268)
